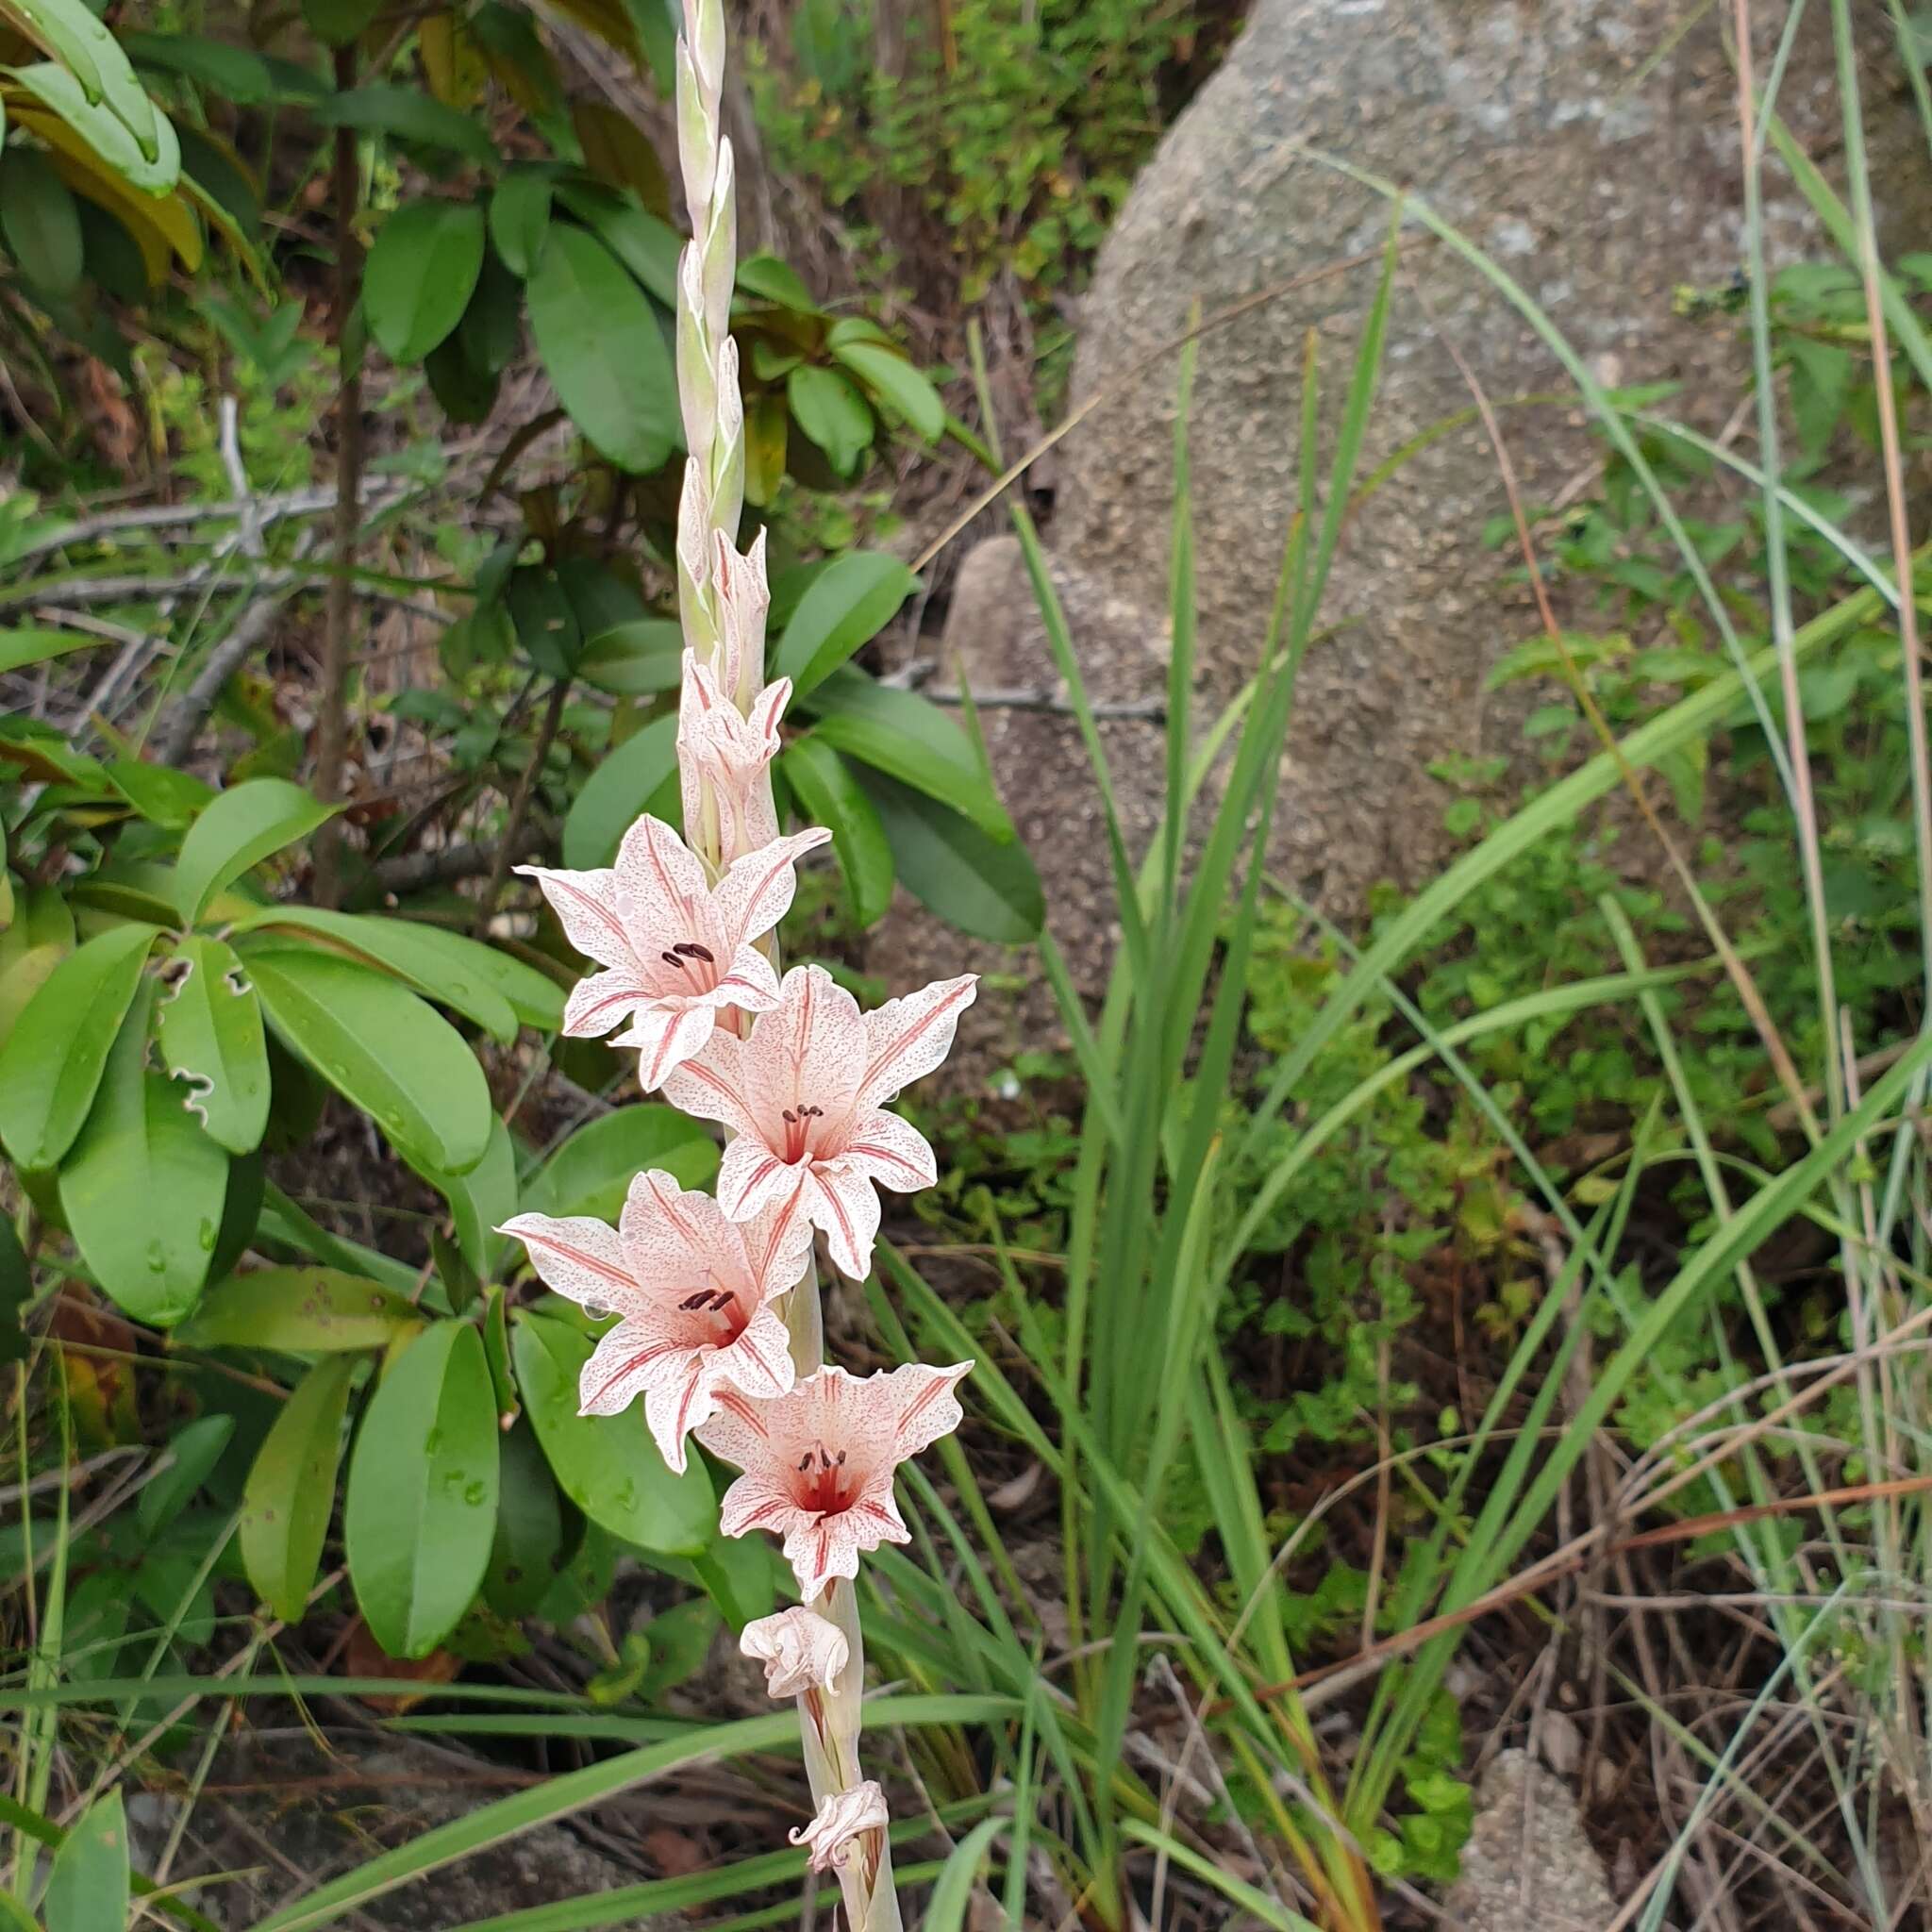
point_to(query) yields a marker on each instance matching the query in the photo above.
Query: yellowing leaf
(616, 150)
(161, 224)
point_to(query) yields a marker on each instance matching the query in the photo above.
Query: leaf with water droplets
(420, 1514)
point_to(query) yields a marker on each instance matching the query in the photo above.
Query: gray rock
(1528, 1866)
(1598, 161)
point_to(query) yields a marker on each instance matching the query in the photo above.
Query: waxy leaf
(291, 1492)
(593, 1169)
(606, 1465)
(527, 1551)
(986, 887)
(195, 1451)
(441, 966)
(890, 377)
(41, 223)
(421, 275)
(420, 1512)
(520, 218)
(143, 1187)
(847, 604)
(383, 1049)
(640, 775)
(829, 795)
(53, 1061)
(211, 1040)
(827, 406)
(242, 826)
(300, 1311)
(481, 1200)
(89, 1886)
(602, 348)
(909, 738)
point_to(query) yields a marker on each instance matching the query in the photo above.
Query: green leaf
(520, 218)
(39, 222)
(195, 1451)
(773, 280)
(402, 111)
(72, 32)
(455, 971)
(911, 740)
(829, 795)
(241, 827)
(635, 660)
(52, 1063)
(827, 406)
(848, 603)
(382, 1049)
(647, 246)
(420, 1511)
(640, 775)
(890, 377)
(606, 355)
(481, 1201)
(20, 648)
(527, 1551)
(291, 1492)
(546, 622)
(606, 1465)
(230, 73)
(985, 886)
(300, 1311)
(335, 23)
(534, 998)
(420, 276)
(142, 1187)
(210, 1033)
(149, 160)
(89, 1886)
(591, 1171)
(163, 796)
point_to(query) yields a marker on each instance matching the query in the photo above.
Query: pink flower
(843, 1820)
(693, 1295)
(819, 1461)
(675, 949)
(804, 1096)
(743, 598)
(722, 750)
(800, 1650)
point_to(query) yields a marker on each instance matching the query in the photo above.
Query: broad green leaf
(89, 1886)
(165, 797)
(230, 73)
(829, 795)
(73, 33)
(546, 621)
(640, 775)
(241, 828)
(210, 1026)
(335, 23)
(420, 1510)
(491, 331)
(647, 245)
(441, 966)
(827, 406)
(53, 1061)
(890, 377)
(848, 603)
(606, 1465)
(465, 391)
(634, 659)
(291, 1492)
(534, 998)
(520, 218)
(985, 886)
(382, 1049)
(605, 353)
(143, 1187)
(527, 1550)
(300, 1311)
(481, 1200)
(195, 1451)
(383, 107)
(902, 734)
(151, 164)
(773, 280)
(420, 276)
(590, 1172)
(41, 227)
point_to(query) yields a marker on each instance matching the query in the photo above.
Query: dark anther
(789, 1118)
(804, 1462)
(694, 951)
(672, 959)
(697, 1300)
